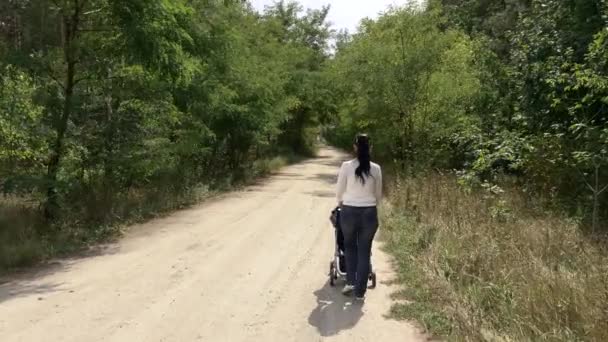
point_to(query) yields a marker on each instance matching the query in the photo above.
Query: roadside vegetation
(481, 266)
(492, 117)
(115, 111)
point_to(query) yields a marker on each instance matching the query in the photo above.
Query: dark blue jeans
(359, 226)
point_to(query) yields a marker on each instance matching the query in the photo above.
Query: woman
(359, 192)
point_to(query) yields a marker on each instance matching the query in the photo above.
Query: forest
(491, 117)
(114, 110)
(487, 88)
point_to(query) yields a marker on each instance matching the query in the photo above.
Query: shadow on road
(322, 194)
(328, 178)
(35, 282)
(334, 312)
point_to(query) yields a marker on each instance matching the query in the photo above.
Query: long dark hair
(363, 155)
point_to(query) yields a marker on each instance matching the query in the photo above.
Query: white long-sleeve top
(352, 192)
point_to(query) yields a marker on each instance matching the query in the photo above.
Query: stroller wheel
(372, 278)
(332, 274)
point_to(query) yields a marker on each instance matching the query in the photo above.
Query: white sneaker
(348, 289)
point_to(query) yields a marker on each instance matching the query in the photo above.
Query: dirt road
(250, 266)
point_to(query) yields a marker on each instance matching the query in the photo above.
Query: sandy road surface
(250, 266)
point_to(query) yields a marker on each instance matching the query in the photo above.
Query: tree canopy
(486, 88)
(100, 97)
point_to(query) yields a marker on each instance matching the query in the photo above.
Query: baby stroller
(337, 267)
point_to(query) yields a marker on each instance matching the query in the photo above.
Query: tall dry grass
(26, 238)
(97, 213)
(488, 266)
(20, 241)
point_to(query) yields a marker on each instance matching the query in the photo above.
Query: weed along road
(249, 266)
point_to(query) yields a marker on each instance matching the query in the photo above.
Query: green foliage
(407, 83)
(502, 94)
(487, 88)
(308, 91)
(114, 110)
(22, 143)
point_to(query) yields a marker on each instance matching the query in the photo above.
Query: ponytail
(363, 155)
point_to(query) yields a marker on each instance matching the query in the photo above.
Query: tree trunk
(58, 146)
(70, 31)
(596, 200)
(109, 134)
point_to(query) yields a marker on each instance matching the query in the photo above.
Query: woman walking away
(359, 192)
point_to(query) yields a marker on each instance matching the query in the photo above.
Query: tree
(306, 37)
(407, 82)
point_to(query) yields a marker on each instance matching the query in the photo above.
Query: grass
(98, 214)
(265, 167)
(483, 266)
(26, 239)
(20, 243)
